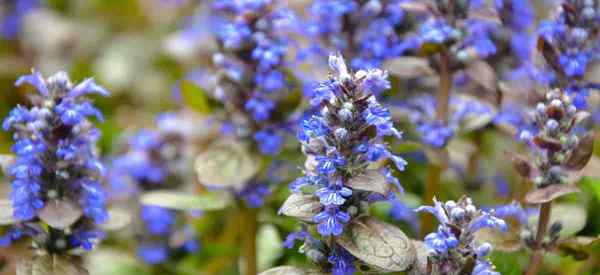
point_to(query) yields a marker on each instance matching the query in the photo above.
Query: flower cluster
(557, 147)
(12, 14)
(366, 32)
(422, 112)
(254, 77)
(156, 159)
(454, 241)
(570, 44)
(344, 147)
(56, 169)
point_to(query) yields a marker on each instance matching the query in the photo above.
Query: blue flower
(158, 220)
(269, 141)
(291, 238)
(55, 142)
(437, 32)
(254, 194)
(334, 194)
(342, 261)
(331, 221)
(260, 108)
(153, 253)
(14, 13)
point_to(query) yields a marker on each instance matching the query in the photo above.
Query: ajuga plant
(12, 13)
(345, 170)
(365, 32)
(256, 88)
(455, 38)
(558, 149)
(453, 248)
(57, 195)
(156, 160)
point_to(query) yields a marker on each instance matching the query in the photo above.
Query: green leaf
(185, 201)
(269, 243)
(117, 219)
(579, 248)
(593, 184)
(195, 97)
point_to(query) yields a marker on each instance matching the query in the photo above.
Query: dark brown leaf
(547, 143)
(579, 248)
(521, 165)
(51, 265)
(421, 264)
(549, 193)
(582, 153)
(301, 206)
(378, 244)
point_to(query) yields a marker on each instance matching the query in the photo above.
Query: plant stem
(250, 229)
(538, 252)
(434, 170)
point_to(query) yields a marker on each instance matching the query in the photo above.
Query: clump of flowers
(366, 32)
(57, 195)
(569, 43)
(253, 80)
(453, 248)
(345, 157)
(157, 159)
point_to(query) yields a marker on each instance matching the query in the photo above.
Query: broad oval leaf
(290, 270)
(117, 219)
(184, 201)
(114, 262)
(51, 265)
(301, 206)
(6, 212)
(60, 213)
(421, 263)
(549, 193)
(226, 163)
(378, 244)
(370, 181)
(582, 153)
(269, 242)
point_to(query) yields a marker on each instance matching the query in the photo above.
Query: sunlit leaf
(269, 243)
(226, 163)
(195, 97)
(6, 212)
(60, 213)
(300, 206)
(5, 162)
(112, 262)
(378, 244)
(51, 265)
(370, 181)
(117, 219)
(185, 201)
